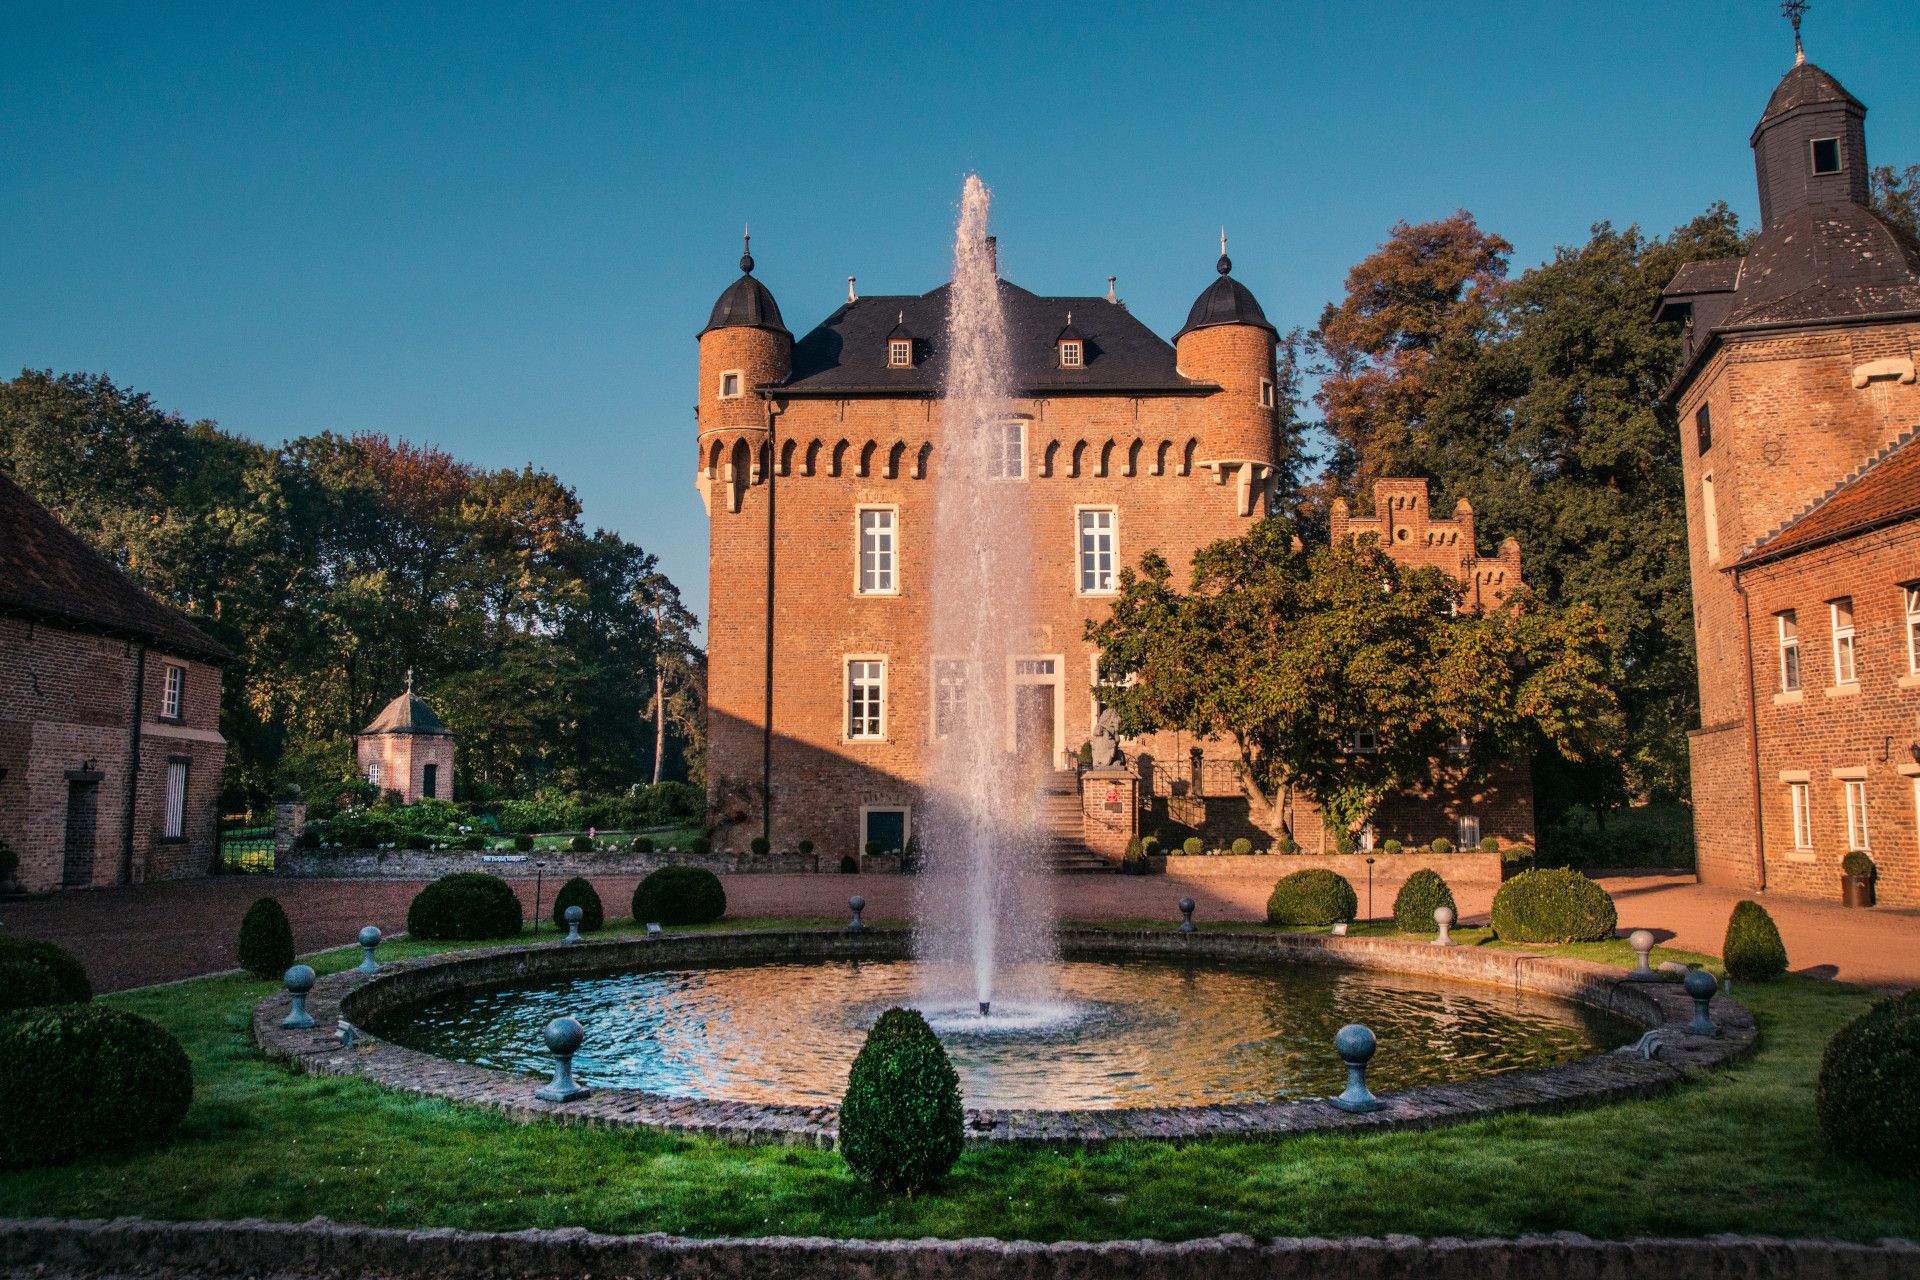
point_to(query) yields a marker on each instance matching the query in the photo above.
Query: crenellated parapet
(1407, 530)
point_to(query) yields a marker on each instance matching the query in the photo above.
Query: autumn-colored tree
(1291, 654)
(1896, 194)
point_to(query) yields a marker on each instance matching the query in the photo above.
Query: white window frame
(906, 825)
(373, 773)
(1003, 455)
(1266, 393)
(1369, 737)
(1468, 831)
(1082, 573)
(1911, 594)
(1791, 675)
(739, 377)
(1800, 802)
(173, 693)
(899, 353)
(887, 584)
(1041, 669)
(937, 683)
(1071, 355)
(174, 816)
(1854, 799)
(1846, 669)
(875, 679)
(1813, 158)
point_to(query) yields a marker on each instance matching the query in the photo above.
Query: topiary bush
(416, 840)
(806, 846)
(578, 892)
(1345, 843)
(901, 1123)
(465, 905)
(1441, 845)
(473, 842)
(1866, 1098)
(26, 985)
(849, 865)
(523, 843)
(1242, 847)
(1423, 894)
(1193, 847)
(642, 844)
(1286, 846)
(266, 939)
(701, 846)
(1133, 860)
(1553, 904)
(1312, 897)
(1392, 847)
(1753, 950)
(1489, 844)
(69, 975)
(761, 846)
(680, 895)
(1856, 863)
(79, 1078)
(581, 844)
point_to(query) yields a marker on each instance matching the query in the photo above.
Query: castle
(814, 460)
(1797, 406)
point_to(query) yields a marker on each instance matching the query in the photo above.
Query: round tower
(745, 346)
(1228, 341)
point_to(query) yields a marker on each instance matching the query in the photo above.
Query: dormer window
(899, 353)
(1070, 354)
(1826, 155)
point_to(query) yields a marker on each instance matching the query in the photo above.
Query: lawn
(1738, 1152)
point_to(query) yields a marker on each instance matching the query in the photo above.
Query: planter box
(1388, 870)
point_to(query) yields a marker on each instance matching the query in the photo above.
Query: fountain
(984, 915)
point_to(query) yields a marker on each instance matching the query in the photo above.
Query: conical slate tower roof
(408, 713)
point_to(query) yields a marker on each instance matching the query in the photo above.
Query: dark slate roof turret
(1805, 86)
(747, 304)
(1225, 301)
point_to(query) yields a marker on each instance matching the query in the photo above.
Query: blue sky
(497, 229)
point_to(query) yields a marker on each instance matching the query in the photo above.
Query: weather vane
(1795, 11)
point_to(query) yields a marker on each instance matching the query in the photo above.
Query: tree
(1896, 194)
(1290, 654)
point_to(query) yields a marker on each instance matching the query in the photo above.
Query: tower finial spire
(409, 679)
(746, 248)
(1225, 264)
(1795, 10)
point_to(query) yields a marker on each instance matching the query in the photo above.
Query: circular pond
(1139, 1033)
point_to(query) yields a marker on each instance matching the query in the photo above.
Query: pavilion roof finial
(746, 248)
(409, 679)
(1225, 264)
(1795, 10)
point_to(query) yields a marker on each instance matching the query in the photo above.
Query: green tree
(1896, 194)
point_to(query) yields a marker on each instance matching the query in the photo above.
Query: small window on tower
(730, 384)
(1069, 355)
(1703, 428)
(1266, 394)
(899, 353)
(1826, 155)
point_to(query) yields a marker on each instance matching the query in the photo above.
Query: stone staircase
(1060, 820)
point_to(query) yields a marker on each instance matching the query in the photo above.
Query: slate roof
(1884, 491)
(1714, 275)
(1225, 301)
(847, 352)
(47, 573)
(1804, 86)
(746, 304)
(408, 713)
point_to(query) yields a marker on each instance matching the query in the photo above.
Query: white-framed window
(1266, 393)
(174, 826)
(1070, 354)
(949, 695)
(878, 574)
(373, 772)
(1009, 461)
(1364, 742)
(1097, 542)
(732, 383)
(1368, 836)
(1841, 611)
(866, 698)
(1469, 831)
(1826, 155)
(1788, 625)
(1710, 517)
(1911, 593)
(1856, 801)
(899, 352)
(173, 693)
(1797, 796)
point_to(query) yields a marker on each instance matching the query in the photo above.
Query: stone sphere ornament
(1186, 915)
(1443, 918)
(856, 905)
(1356, 1044)
(1641, 940)
(574, 915)
(299, 980)
(369, 939)
(564, 1037)
(1702, 987)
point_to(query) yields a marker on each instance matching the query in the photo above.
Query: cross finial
(409, 679)
(1795, 10)
(746, 248)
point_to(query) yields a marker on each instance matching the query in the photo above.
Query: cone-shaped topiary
(1422, 894)
(464, 906)
(79, 1078)
(68, 974)
(1867, 1098)
(1553, 904)
(1312, 897)
(266, 939)
(679, 895)
(27, 985)
(1753, 949)
(901, 1123)
(577, 892)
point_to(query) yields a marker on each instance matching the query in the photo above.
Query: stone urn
(1856, 880)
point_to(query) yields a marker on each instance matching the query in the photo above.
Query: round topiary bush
(523, 843)
(1856, 863)
(1345, 843)
(1753, 950)
(266, 939)
(1489, 844)
(69, 975)
(1286, 846)
(79, 1078)
(1242, 847)
(581, 844)
(1312, 897)
(761, 846)
(473, 842)
(1392, 847)
(701, 846)
(577, 892)
(1193, 847)
(1441, 845)
(680, 895)
(1423, 894)
(806, 846)
(1866, 1099)
(901, 1123)
(1553, 904)
(642, 844)
(849, 865)
(416, 840)
(26, 985)
(465, 905)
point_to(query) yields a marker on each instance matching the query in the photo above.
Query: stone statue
(1106, 739)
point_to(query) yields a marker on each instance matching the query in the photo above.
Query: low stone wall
(51, 1249)
(358, 998)
(431, 864)
(1389, 872)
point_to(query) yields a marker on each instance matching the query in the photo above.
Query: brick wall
(403, 759)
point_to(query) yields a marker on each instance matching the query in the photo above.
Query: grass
(1737, 1152)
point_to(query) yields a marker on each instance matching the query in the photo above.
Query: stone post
(1109, 810)
(289, 820)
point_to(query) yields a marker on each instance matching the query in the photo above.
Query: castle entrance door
(83, 825)
(1033, 727)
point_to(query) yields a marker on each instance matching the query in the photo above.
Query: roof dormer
(1069, 347)
(900, 345)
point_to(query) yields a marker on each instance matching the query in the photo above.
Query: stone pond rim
(1607, 1077)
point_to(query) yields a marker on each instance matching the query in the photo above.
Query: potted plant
(1856, 880)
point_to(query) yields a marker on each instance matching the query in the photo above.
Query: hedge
(27, 985)
(1553, 904)
(1868, 1096)
(1423, 893)
(679, 895)
(464, 906)
(266, 939)
(902, 1126)
(69, 975)
(577, 892)
(1315, 896)
(79, 1078)
(1753, 950)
